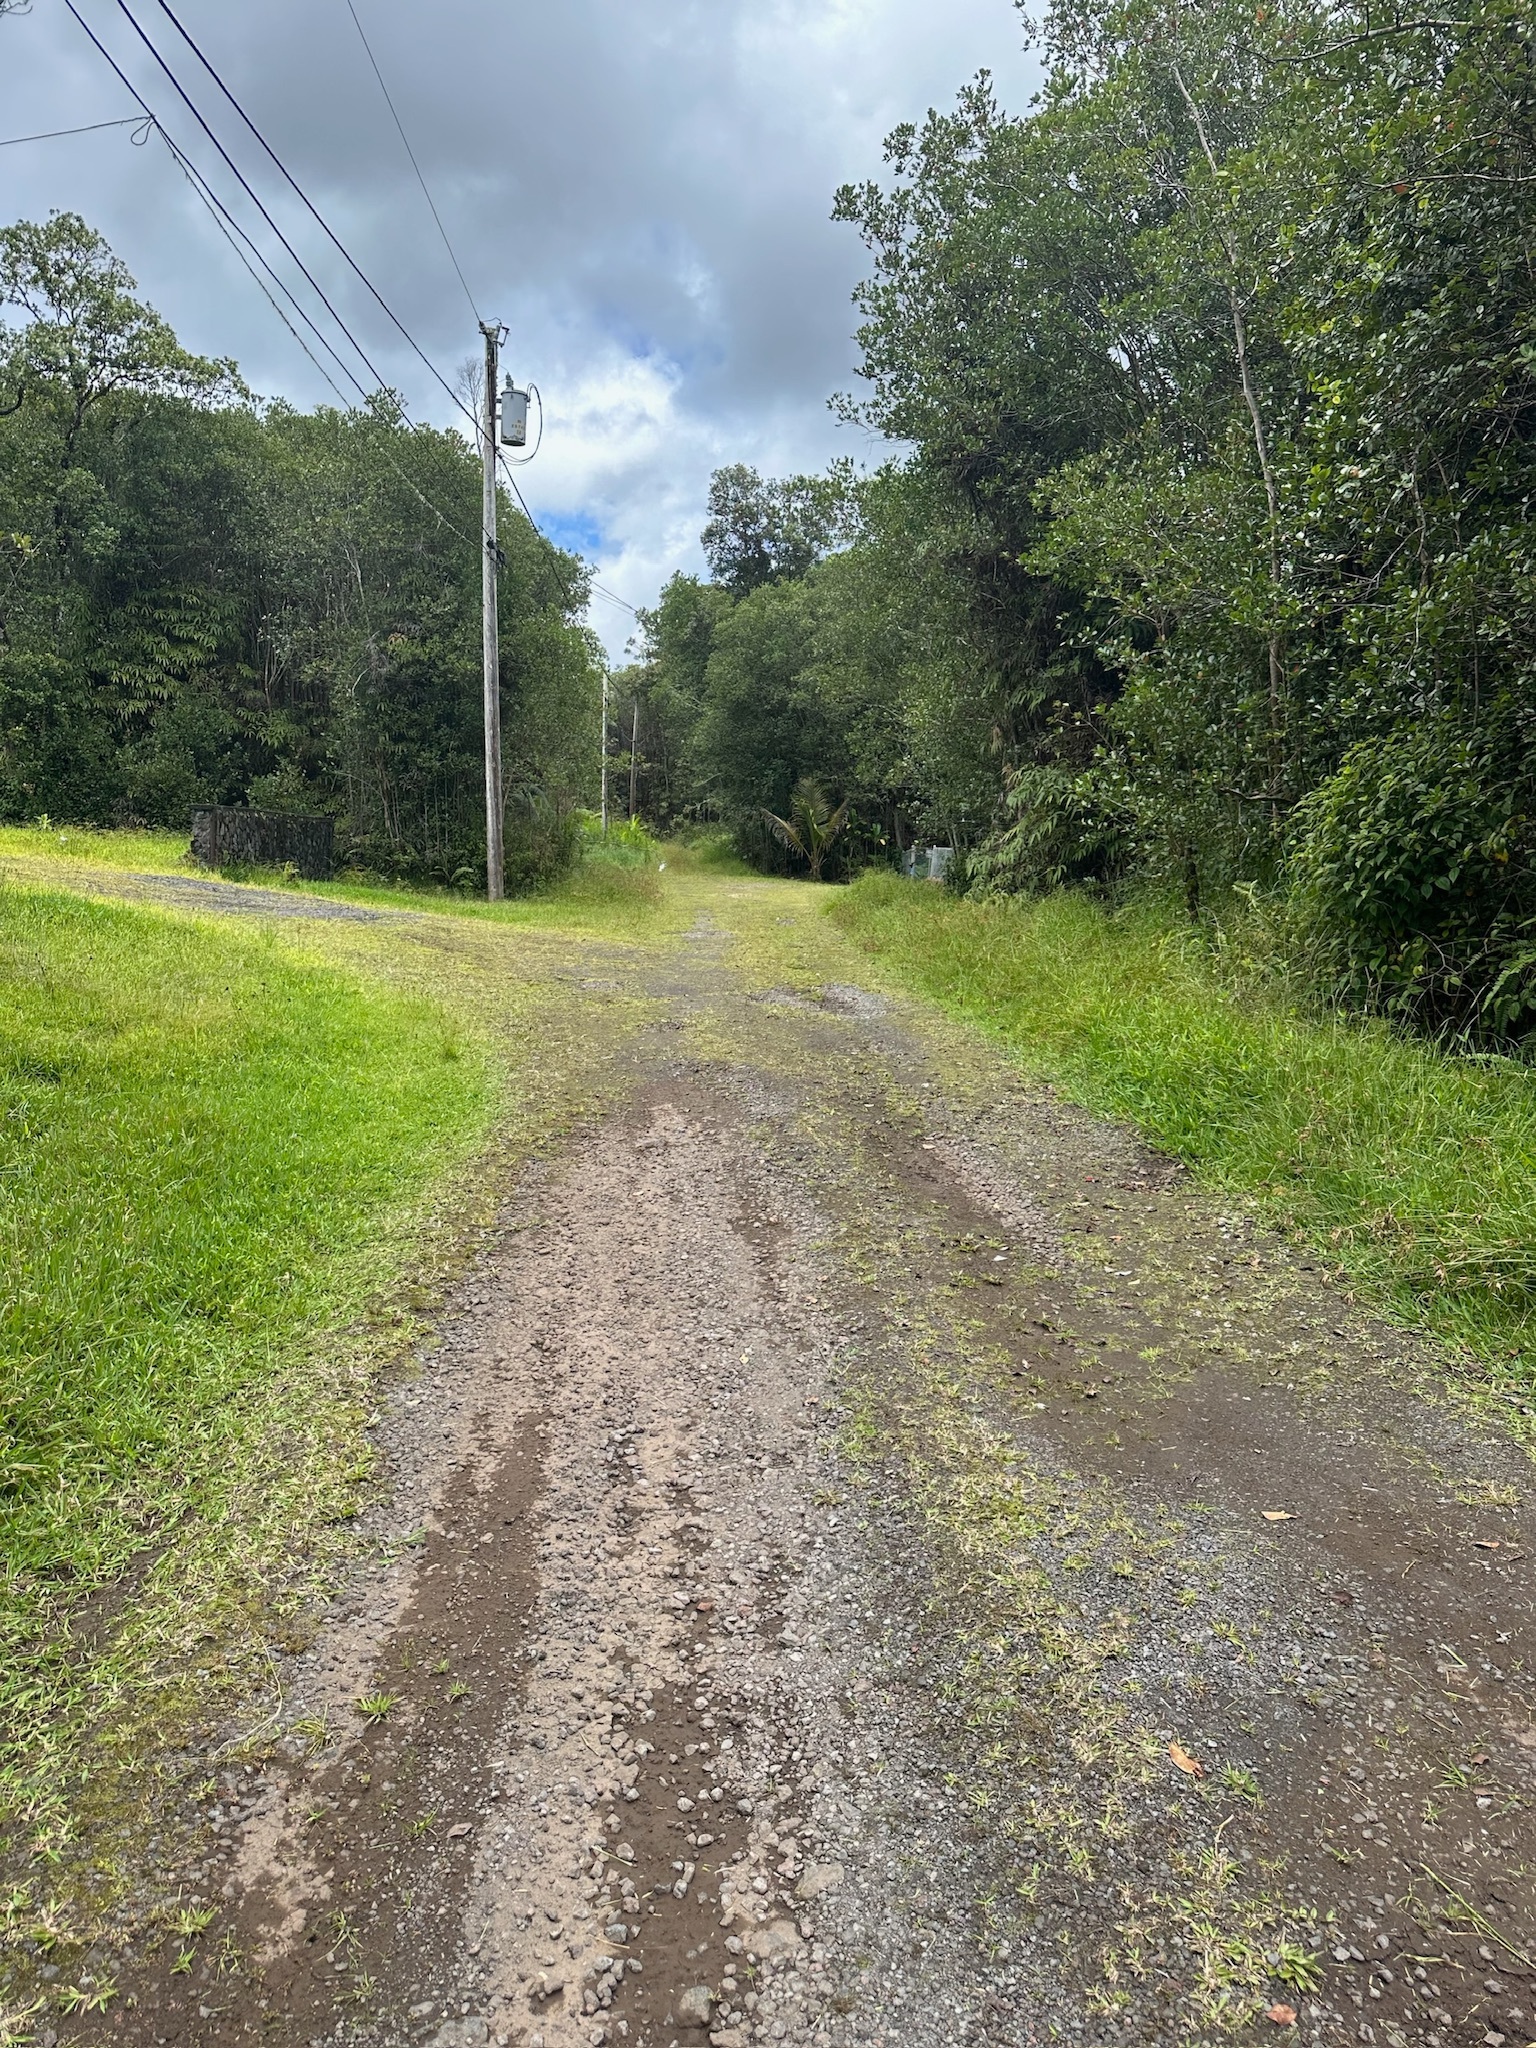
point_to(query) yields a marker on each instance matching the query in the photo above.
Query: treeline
(1207, 561)
(203, 598)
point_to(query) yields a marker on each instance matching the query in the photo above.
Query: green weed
(1412, 1170)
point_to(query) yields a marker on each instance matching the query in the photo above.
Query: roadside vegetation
(1412, 1170)
(206, 597)
(211, 1153)
(1203, 557)
(606, 882)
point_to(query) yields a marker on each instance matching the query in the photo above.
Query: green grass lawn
(1412, 1170)
(608, 888)
(203, 1140)
(161, 853)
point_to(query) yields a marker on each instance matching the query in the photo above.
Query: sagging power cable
(319, 218)
(241, 178)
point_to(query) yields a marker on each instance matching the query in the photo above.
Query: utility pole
(605, 753)
(634, 759)
(495, 859)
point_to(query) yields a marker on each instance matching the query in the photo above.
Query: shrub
(1414, 883)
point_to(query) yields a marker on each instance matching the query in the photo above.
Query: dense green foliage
(1210, 562)
(204, 599)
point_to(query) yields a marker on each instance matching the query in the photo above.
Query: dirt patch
(877, 1558)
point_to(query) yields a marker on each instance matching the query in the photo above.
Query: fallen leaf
(1185, 1761)
(1278, 1515)
(1481, 1757)
(1282, 2015)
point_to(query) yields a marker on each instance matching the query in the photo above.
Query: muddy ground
(874, 1556)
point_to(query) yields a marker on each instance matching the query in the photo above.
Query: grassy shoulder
(1413, 1172)
(612, 887)
(208, 1150)
(196, 1132)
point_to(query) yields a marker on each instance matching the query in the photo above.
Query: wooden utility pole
(634, 759)
(605, 753)
(495, 859)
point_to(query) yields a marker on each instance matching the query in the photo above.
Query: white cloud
(640, 188)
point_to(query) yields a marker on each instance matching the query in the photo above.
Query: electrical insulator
(514, 416)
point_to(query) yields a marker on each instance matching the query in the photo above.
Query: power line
(230, 228)
(315, 212)
(416, 167)
(596, 588)
(90, 128)
(221, 216)
(226, 231)
(236, 235)
(506, 470)
(244, 182)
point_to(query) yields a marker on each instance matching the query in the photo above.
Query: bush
(626, 844)
(1414, 888)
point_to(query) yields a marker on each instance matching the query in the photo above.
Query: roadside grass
(193, 1130)
(139, 852)
(597, 896)
(612, 888)
(206, 1148)
(1413, 1171)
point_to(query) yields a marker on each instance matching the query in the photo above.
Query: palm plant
(812, 824)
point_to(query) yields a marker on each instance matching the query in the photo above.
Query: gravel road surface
(871, 1555)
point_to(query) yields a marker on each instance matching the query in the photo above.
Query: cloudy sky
(640, 189)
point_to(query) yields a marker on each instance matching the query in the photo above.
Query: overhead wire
(304, 197)
(597, 589)
(415, 166)
(231, 229)
(244, 182)
(251, 256)
(222, 214)
(90, 128)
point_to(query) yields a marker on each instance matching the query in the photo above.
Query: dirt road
(872, 1556)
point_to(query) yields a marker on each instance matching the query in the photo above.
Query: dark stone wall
(225, 837)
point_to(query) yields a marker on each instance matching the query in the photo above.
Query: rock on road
(874, 1556)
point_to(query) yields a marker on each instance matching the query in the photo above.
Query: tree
(1206, 561)
(764, 530)
(204, 599)
(813, 827)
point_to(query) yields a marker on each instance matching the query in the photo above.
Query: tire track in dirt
(834, 1499)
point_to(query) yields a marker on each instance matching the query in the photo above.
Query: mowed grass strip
(199, 1141)
(1413, 1170)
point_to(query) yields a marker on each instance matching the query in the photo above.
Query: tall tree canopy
(204, 598)
(1207, 559)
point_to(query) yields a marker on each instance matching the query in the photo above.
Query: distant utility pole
(634, 758)
(605, 753)
(495, 859)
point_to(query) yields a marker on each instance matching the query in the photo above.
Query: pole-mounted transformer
(514, 416)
